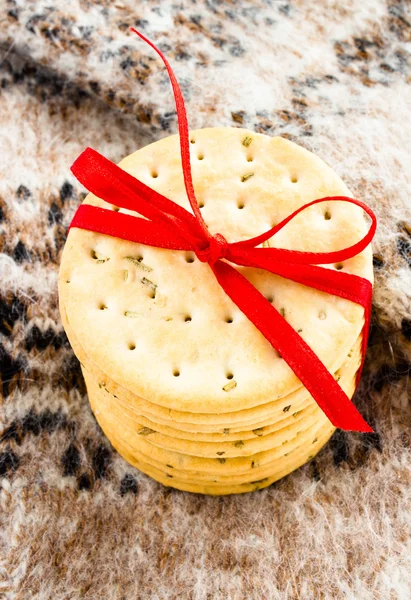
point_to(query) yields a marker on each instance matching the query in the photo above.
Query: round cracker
(220, 445)
(287, 440)
(189, 482)
(236, 421)
(145, 341)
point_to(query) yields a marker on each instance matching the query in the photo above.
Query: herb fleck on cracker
(239, 444)
(266, 244)
(247, 141)
(220, 453)
(230, 386)
(138, 263)
(286, 408)
(245, 177)
(226, 431)
(151, 285)
(282, 312)
(125, 275)
(145, 431)
(221, 460)
(297, 413)
(315, 440)
(99, 259)
(258, 431)
(132, 314)
(170, 466)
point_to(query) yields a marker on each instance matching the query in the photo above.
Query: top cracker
(157, 322)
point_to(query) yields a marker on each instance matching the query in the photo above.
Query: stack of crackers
(184, 386)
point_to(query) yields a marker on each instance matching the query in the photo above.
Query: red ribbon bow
(168, 225)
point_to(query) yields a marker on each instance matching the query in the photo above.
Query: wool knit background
(77, 522)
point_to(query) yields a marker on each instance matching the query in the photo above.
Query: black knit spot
(284, 9)
(141, 23)
(40, 340)
(372, 441)
(30, 423)
(388, 374)
(128, 485)
(406, 329)
(9, 462)
(51, 421)
(236, 49)
(314, 472)
(95, 86)
(339, 446)
(404, 249)
(127, 63)
(71, 460)
(11, 310)
(23, 193)
(20, 253)
(12, 432)
(101, 460)
(84, 482)
(66, 191)
(9, 368)
(377, 261)
(55, 215)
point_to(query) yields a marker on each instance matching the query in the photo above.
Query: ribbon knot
(168, 225)
(216, 249)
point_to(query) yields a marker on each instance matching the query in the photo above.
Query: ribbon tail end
(359, 424)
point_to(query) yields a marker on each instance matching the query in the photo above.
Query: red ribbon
(168, 225)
